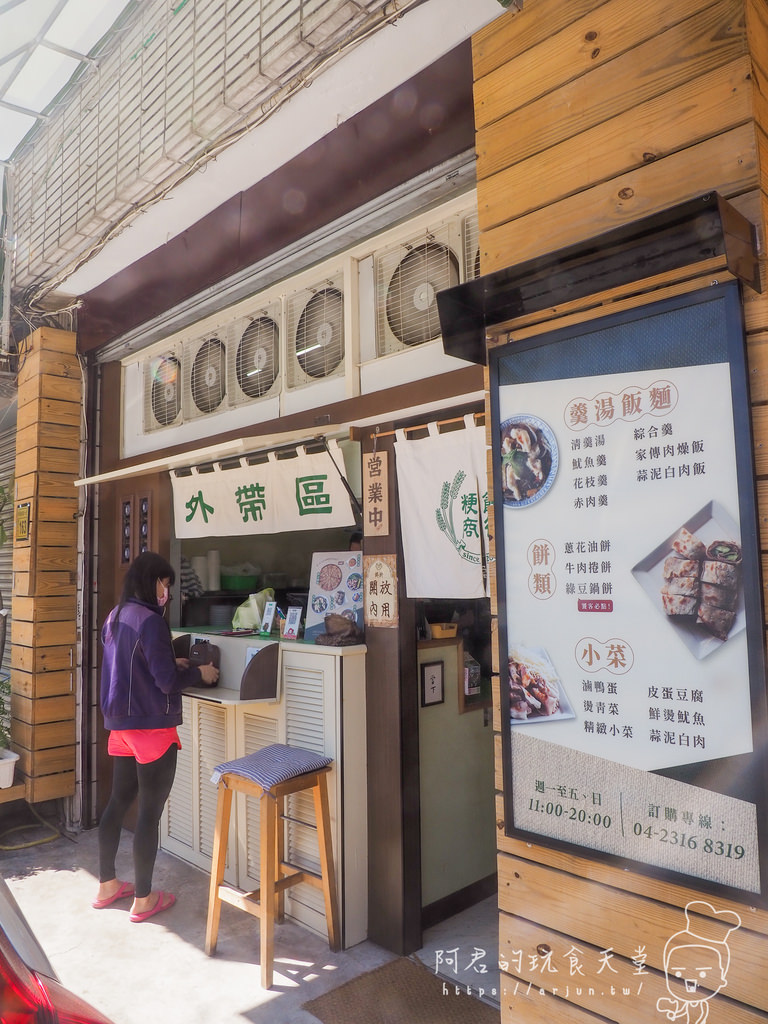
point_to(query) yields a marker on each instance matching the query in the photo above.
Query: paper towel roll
(200, 565)
(214, 571)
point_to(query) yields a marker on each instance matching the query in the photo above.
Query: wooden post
(44, 607)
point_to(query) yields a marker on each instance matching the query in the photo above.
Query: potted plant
(8, 757)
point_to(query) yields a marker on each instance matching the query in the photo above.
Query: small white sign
(269, 615)
(292, 623)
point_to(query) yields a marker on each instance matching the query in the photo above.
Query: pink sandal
(165, 901)
(123, 893)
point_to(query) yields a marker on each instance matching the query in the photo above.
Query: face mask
(163, 599)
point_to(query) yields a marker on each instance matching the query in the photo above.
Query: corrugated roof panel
(13, 125)
(22, 23)
(197, 71)
(82, 23)
(34, 79)
(42, 76)
(8, 71)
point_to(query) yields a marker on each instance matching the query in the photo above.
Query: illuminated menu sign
(629, 586)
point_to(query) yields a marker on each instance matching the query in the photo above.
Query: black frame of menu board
(614, 344)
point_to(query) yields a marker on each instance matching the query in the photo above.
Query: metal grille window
(169, 88)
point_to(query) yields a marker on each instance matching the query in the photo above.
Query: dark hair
(141, 580)
(142, 576)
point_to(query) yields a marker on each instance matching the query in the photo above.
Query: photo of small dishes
(695, 575)
(529, 460)
(535, 691)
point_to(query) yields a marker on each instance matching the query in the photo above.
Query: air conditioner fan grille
(257, 360)
(165, 389)
(319, 342)
(207, 382)
(411, 306)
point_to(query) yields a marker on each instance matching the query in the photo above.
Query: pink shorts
(145, 745)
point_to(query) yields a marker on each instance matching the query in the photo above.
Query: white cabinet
(322, 708)
(207, 738)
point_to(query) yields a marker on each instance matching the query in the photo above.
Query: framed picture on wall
(432, 685)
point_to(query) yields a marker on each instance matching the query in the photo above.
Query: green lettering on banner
(471, 527)
(311, 497)
(469, 502)
(197, 504)
(251, 501)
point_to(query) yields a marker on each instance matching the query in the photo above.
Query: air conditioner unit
(315, 332)
(205, 375)
(408, 275)
(253, 355)
(162, 390)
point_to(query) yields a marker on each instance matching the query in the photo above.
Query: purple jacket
(141, 683)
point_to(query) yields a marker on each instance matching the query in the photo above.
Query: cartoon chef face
(694, 972)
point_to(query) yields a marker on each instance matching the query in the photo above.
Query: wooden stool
(270, 775)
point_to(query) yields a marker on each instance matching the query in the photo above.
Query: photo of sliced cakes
(703, 581)
(694, 578)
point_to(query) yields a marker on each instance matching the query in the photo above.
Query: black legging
(152, 782)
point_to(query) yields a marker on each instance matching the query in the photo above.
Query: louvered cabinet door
(311, 699)
(176, 827)
(323, 709)
(207, 739)
(257, 727)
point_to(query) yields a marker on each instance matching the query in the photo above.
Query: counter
(235, 651)
(320, 706)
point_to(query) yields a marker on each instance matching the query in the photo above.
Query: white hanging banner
(443, 494)
(305, 492)
(309, 491)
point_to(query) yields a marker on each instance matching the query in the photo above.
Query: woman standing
(141, 684)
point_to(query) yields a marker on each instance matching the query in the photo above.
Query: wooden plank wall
(589, 115)
(44, 632)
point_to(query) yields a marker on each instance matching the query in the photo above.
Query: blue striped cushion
(273, 764)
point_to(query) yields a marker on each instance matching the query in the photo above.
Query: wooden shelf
(448, 641)
(16, 792)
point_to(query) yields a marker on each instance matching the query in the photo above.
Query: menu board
(335, 588)
(633, 691)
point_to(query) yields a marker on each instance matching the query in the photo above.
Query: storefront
(619, 171)
(253, 381)
(277, 522)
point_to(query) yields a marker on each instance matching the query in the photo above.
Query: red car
(30, 992)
